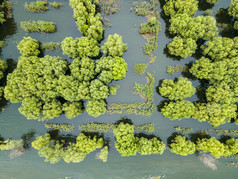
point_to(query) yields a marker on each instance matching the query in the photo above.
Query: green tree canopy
(178, 109)
(28, 47)
(233, 8)
(174, 90)
(182, 47)
(96, 107)
(173, 7)
(114, 46)
(80, 47)
(180, 145)
(215, 113)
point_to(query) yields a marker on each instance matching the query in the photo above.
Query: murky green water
(14, 125)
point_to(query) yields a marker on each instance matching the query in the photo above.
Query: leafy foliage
(174, 90)
(182, 47)
(193, 27)
(178, 109)
(216, 148)
(10, 144)
(37, 6)
(151, 146)
(212, 1)
(233, 8)
(215, 113)
(96, 107)
(28, 47)
(188, 7)
(53, 150)
(80, 47)
(103, 154)
(179, 145)
(98, 90)
(88, 22)
(73, 109)
(60, 127)
(56, 5)
(38, 26)
(114, 46)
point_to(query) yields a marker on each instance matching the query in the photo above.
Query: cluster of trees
(3, 67)
(127, 144)
(220, 68)
(233, 9)
(49, 86)
(187, 28)
(10, 144)
(6, 8)
(53, 150)
(88, 21)
(38, 26)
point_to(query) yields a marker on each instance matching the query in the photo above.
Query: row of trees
(182, 146)
(3, 67)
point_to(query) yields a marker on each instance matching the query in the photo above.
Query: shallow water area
(125, 23)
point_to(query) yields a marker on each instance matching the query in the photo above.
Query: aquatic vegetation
(182, 47)
(176, 89)
(109, 6)
(182, 129)
(208, 12)
(212, 1)
(140, 68)
(10, 144)
(60, 127)
(56, 5)
(145, 8)
(50, 46)
(55, 150)
(38, 26)
(180, 145)
(2, 44)
(37, 6)
(104, 154)
(107, 127)
(113, 89)
(176, 68)
(138, 108)
(232, 164)
(222, 131)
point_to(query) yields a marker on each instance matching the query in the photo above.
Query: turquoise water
(14, 125)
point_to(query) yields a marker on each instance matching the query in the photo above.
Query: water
(14, 125)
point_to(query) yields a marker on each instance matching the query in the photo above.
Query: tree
(3, 67)
(180, 145)
(182, 47)
(119, 68)
(28, 47)
(150, 146)
(212, 145)
(232, 145)
(103, 154)
(212, 1)
(96, 107)
(125, 143)
(178, 109)
(233, 9)
(172, 7)
(80, 47)
(174, 90)
(114, 46)
(98, 90)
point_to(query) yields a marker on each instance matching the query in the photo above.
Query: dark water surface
(14, 125)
